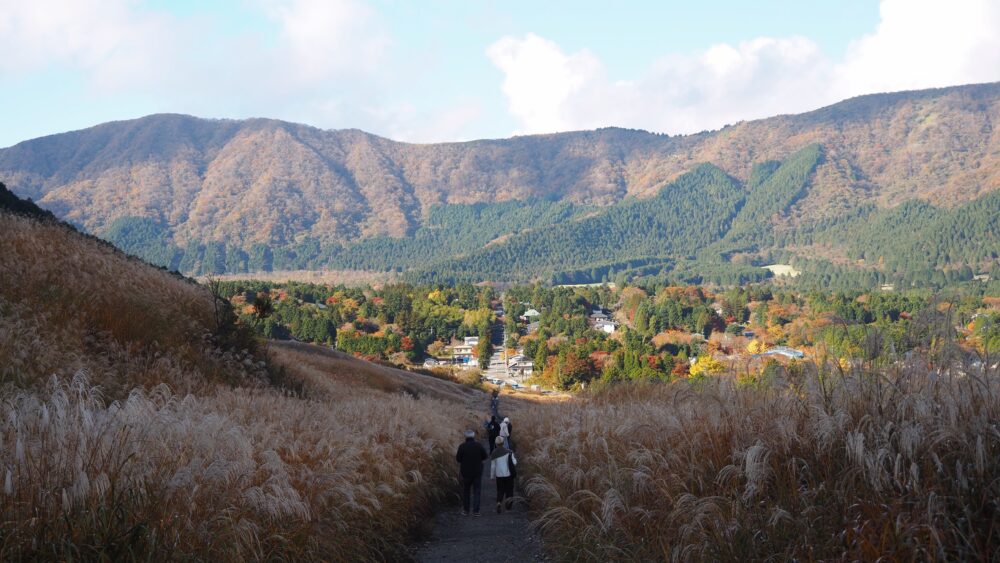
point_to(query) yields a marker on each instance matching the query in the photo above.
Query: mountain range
(205, 195)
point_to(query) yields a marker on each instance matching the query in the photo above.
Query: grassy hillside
(878, 443)
(144, 423)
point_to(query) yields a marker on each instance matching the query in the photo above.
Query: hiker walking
(495, 401)
(505, 431)
(470, 457)
(493, 430)
(503, 468)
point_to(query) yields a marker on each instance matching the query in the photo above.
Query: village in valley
(734, 335)
(536, 338)
(510, 367)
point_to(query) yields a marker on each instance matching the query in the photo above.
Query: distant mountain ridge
(186, 182)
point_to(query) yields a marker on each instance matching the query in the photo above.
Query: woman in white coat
(503, 466)
(505, 430)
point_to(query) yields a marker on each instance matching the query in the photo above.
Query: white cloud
(540, 81)
(401, 121)
(324, 37)
(917, 44)
(548, 90)
(925, 43)
(319, 54)
(333, 63)
(120, 43)
(92, 35)
(727, 83)
(405, 122)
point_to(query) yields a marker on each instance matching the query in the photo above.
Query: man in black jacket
(471, 455)
(493, 429)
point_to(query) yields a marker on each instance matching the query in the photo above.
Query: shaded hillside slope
(328, 369)
(142, 423)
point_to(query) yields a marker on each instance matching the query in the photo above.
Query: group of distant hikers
(503, 463)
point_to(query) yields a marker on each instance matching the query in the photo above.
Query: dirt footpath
(488, 538)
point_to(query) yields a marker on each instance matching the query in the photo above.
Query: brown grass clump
(903, 465)
(136, 429)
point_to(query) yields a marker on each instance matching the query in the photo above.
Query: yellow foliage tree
(475, 317)
(706, 365)
(756, 347)
(776, 332)
(436, 348)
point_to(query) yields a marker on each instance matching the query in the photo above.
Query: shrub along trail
(491, 537)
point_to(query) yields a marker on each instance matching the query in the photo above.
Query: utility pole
(506, 366)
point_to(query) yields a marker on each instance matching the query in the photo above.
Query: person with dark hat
(470, 457)
(493, 430)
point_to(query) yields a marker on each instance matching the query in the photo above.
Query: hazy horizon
(449, 72)
(497, 138)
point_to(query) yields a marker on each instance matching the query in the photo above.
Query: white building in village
(605, 326)
(462, 353)
(601, 321)
(598, 315)
(521, 368)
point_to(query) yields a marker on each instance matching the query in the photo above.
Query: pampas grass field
(238, 475)
(893, 465)
(137, 428)
(142, 422)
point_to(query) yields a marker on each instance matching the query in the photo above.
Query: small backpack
(511, 464)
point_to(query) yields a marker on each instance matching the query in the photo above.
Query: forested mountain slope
(707, 227)
(685, 215)
(221, 195)
(263, 180)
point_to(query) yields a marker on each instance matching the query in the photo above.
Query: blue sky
(456, 70)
